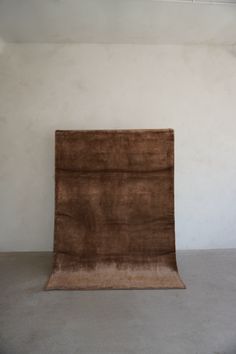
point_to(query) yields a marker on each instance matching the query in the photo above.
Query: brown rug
(114, 212)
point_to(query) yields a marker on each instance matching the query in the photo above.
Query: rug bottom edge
(108, 279)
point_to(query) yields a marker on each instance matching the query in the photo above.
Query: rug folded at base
(114, 210)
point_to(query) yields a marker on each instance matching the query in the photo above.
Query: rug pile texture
(114, 210)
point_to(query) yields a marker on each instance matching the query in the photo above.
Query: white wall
(48, 87)
(118, 21)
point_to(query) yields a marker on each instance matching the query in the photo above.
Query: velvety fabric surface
(114, 210)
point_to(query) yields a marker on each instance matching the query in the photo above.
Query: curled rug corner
(114, 211)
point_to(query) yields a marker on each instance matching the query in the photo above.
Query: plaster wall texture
(44, 87)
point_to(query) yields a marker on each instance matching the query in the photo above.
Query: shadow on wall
(227, 351)
(232, 51)
(2, 45)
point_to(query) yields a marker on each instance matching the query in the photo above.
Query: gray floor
(198, 320)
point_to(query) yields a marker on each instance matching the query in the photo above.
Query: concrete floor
(198, 320)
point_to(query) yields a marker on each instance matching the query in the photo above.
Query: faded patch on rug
(114, 210)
